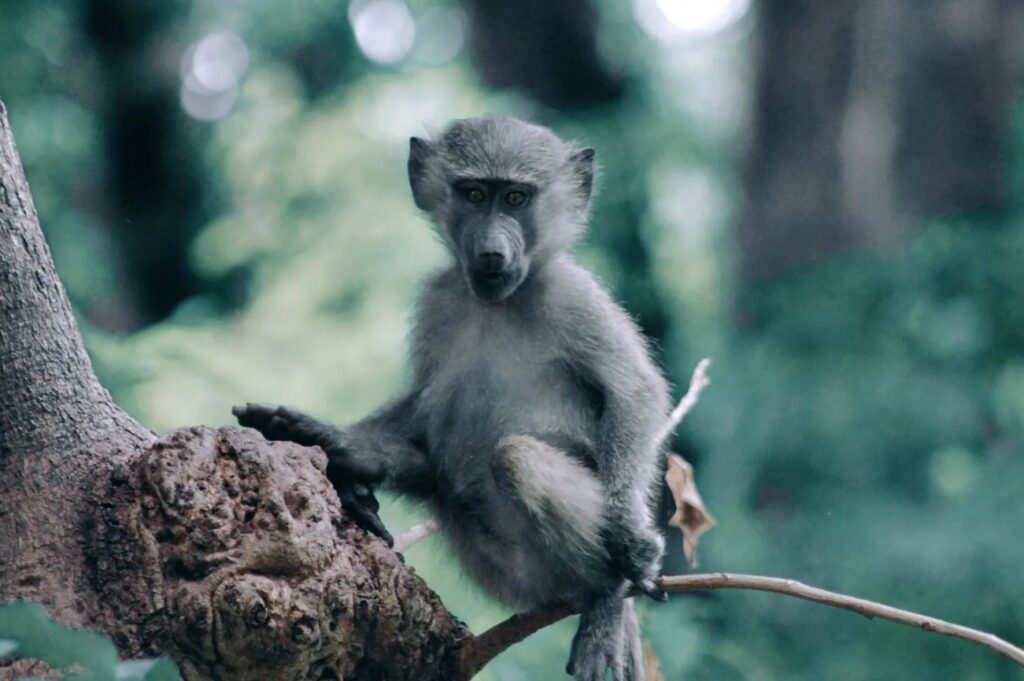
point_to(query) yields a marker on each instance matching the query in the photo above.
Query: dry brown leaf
(691, 516)
(652, 663)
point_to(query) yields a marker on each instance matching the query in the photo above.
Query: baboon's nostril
(492, 261)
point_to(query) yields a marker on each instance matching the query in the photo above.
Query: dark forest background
(825, 197)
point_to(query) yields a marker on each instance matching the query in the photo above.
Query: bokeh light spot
(668, 19)
(211, 72)
(384, 29)
(440, 35)
(953, 470)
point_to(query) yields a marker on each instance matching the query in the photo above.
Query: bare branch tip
(415, 533)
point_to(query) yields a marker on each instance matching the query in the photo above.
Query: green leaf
(27, 629)
(40, 637)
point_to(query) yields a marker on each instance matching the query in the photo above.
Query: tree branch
(414, 534)
(698, 382)
(480, 650)
(477, 651)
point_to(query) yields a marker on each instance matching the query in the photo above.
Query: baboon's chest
(497, 378)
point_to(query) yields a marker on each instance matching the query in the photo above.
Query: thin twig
(414, 534)
(481, 649)
(698, 382)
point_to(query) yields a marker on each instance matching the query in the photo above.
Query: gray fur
(632, 645)
(499, 147)
(542, 474)
(530, 424)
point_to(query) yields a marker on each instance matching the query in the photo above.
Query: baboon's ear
(419, 152)
(583, 164)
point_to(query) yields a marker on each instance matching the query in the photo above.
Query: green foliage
(27, 631)
(866, 438)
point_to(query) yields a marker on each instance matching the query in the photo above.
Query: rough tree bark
(225, 552)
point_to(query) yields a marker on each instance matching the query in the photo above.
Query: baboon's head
(505, 195)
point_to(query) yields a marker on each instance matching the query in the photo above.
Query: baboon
(531, 421)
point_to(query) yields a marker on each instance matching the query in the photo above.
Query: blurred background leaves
(823, 196)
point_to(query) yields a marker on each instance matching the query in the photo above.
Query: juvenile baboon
(530, 424)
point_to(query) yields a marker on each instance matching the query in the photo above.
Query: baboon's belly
(506, 559)
(502, 544)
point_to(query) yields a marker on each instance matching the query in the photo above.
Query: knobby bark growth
(223, 551)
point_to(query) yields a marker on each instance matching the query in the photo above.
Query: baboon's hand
(345, 463)
(362, 506)
(351, 476)
(636, 554)
(280, 423)
(596, 648)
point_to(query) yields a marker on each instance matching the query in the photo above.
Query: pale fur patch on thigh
(559, 490)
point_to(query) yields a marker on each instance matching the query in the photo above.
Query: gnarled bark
(241, 565)
(228, 553)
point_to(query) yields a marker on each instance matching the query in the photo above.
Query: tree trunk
(227, 553)
(155, 194)
(869, 117)
(793, 166)
(549, 50)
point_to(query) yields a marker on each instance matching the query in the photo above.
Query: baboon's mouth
(494, 286)
(492, 277)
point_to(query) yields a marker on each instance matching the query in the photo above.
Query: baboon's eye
(474, 194)
(515, 199)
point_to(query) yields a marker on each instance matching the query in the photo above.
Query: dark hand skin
(637, 559)
(351, 476)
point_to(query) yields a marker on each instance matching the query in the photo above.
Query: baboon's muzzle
(496, 262)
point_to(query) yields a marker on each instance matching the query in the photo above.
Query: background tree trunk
(548, 50)
(156, 193)
(223, 551)
(870, 116)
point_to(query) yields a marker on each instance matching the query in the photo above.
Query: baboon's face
(504, 195)
(492, 225)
